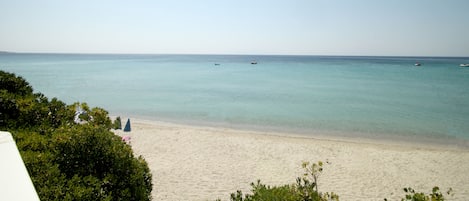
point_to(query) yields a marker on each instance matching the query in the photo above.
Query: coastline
(191, 162)
(393, 139)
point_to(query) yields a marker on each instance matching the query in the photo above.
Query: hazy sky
(313, 27)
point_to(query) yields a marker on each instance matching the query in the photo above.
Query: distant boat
(417, 64)
(217, 64)
(464, 65)
(253, 62)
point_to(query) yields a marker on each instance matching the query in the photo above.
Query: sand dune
(201, 163)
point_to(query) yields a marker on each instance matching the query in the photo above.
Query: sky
(276, 27)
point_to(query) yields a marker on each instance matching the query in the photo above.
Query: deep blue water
(368, 96)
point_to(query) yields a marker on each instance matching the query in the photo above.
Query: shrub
(85, 151)
(436, 195)
(117, 123)
(69, 161)
(305, 189)
(11, 82)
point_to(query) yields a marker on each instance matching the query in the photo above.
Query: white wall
(15, 183)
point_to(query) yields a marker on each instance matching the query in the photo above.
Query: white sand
(200, 163)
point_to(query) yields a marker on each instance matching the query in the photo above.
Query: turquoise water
(369, 96)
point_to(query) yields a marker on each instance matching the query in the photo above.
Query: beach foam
(204, 163)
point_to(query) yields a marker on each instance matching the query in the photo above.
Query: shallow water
(371, 96)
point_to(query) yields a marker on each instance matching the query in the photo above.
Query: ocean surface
(375, 97)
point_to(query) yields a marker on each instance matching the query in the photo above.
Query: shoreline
(414, 140)
(205, 163)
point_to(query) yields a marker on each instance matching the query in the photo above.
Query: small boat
(463, 65)
(417, 64)
(217, 64)
(253, 62)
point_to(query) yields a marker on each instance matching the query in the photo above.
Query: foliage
(305, 189)
(117, 123)
(436, 195)
(307, 185)
(20, 108)
(10, 82)
(263, 192)
(97, 117)
(69, 161)
(88, 151)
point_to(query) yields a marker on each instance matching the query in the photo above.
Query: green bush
(436, 195)
(264, 192)
(66, 160)
(117, 123)
(305, 189)
(11, 82)
(20, 108)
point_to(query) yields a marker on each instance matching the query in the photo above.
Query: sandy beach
(203, 163)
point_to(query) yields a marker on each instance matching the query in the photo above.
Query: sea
(366, 97)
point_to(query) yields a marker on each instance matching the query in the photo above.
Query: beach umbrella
(127, 126)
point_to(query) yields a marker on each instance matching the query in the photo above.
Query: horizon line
(225, 54)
